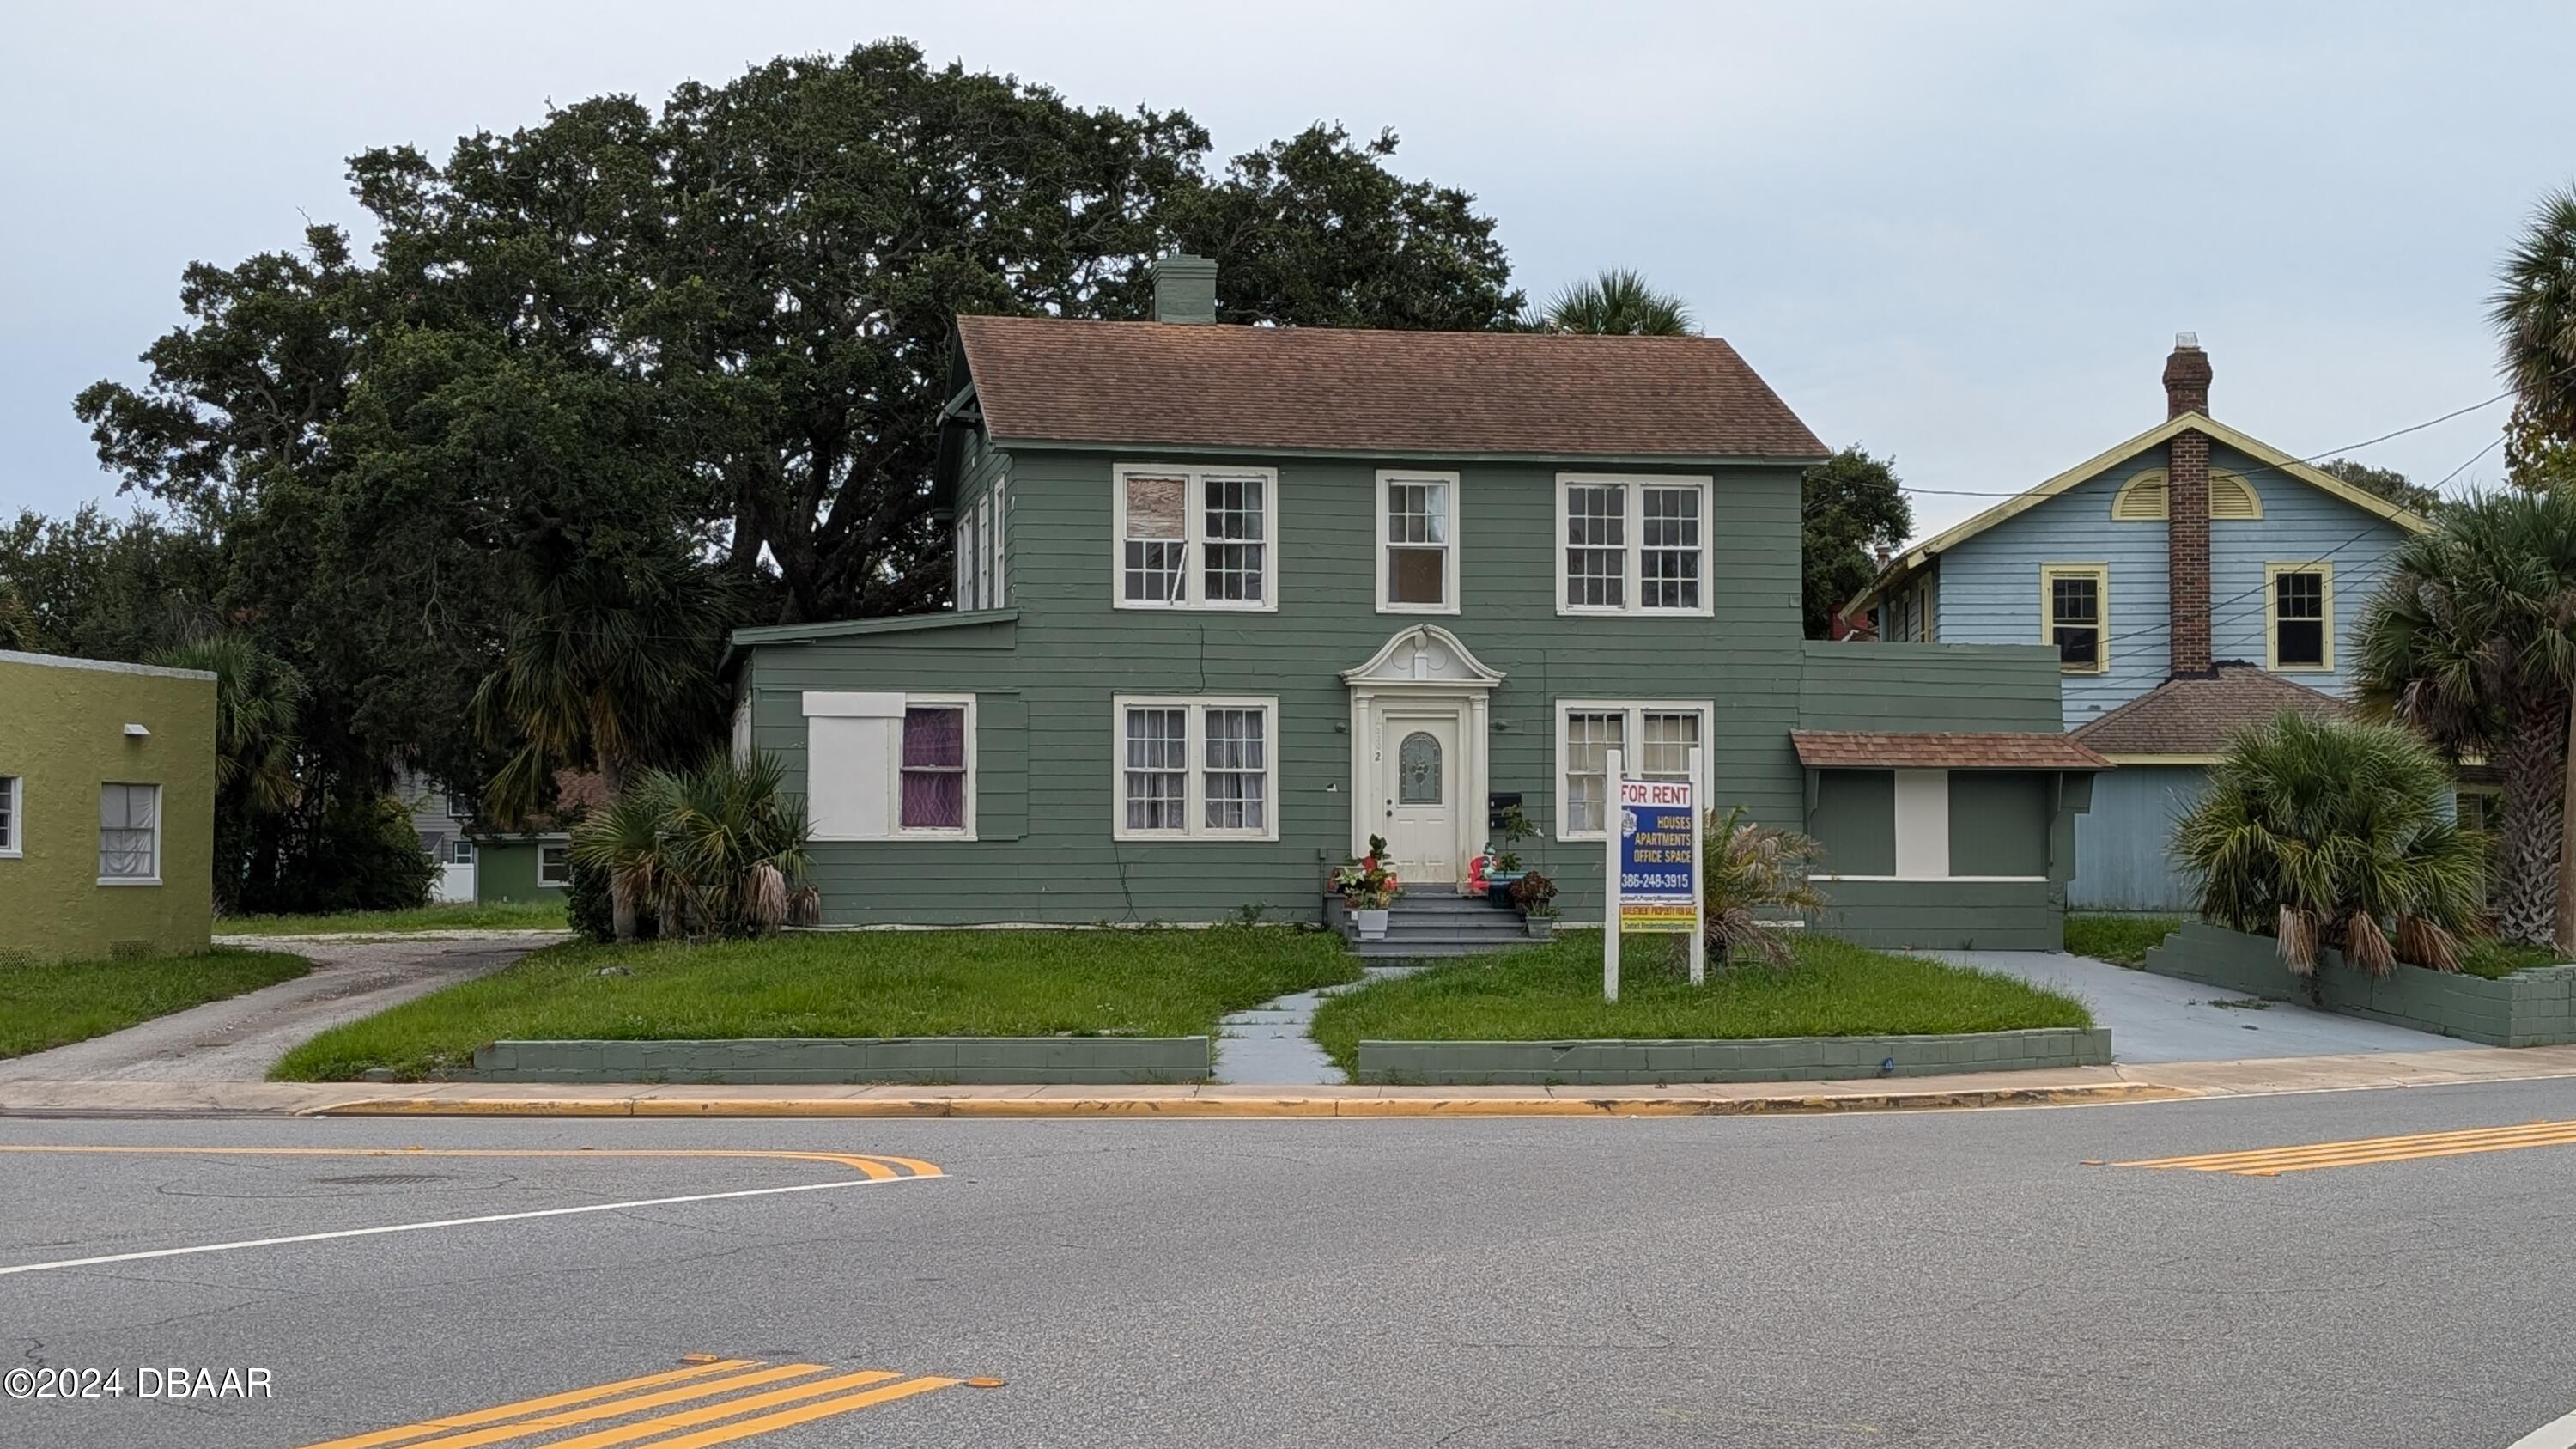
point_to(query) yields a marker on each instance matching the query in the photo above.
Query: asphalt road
(1940, 1279)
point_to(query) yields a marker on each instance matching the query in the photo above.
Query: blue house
(2191, 578)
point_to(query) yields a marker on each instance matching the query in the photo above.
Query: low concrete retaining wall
(2527, 1008)
(1761, 1059)
(974, 1060)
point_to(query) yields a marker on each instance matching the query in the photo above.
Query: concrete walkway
(2161, 1019)
(239, 1038)
(1268, 1046)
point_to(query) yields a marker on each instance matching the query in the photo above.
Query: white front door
(1419, 776)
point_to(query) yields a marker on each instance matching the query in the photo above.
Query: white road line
(2558, 1433)
(596, 1207)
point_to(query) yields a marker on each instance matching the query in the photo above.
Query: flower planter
(1372, 924)
(1498, 886)
(1539, 928)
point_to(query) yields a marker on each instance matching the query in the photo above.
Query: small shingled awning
(1862, 750)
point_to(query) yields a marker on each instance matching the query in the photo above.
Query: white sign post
(1650, 869)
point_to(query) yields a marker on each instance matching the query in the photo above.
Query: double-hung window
(890, 766)
(460, 851)
(129, 834)
(2300, 599)
(1196, 538)
(554, 865)
(1194, 768)
(2075, 615)
(12, 816)
(1417, 543)
(1632, 545)
(1655, 740)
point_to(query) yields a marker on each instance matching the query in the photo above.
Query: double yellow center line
(2371, 1151)
(798, 1398)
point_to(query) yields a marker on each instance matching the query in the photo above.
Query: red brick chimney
(2187, 508)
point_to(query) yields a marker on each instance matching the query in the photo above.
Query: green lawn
(520, 916)
(58, 1004)
(873, 983)
(2120, 940)
(1553, 992)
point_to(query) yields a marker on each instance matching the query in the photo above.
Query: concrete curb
(1606, 1104)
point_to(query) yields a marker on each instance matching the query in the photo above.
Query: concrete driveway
(239, 1038)
(2159, 1019)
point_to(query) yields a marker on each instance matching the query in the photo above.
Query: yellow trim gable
(2100, 463)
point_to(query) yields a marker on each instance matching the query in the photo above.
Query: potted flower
(1535, 894)
(1503, 866)
(1368, 887)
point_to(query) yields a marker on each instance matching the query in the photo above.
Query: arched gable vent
(2145, 498)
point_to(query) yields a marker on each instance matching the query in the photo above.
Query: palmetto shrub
(1746, 870)
(2333, 833)
(710, 852)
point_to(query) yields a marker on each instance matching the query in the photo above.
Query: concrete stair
(1427, 926)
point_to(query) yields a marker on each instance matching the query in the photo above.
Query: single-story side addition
(107, 806)
(1232, 600)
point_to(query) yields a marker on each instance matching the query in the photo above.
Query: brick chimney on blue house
(2187, 509)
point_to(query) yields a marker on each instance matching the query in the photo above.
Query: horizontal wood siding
(1044, 687)
(2300, 525)
(1946, 915)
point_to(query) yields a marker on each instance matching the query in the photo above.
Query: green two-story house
(1231, 600)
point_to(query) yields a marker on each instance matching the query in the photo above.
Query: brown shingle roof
(1043, 379)
(2193, 714)
(1851, 749)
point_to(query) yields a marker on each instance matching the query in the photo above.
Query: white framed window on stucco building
(13, 811)
(888, 766)
(129, 834)
(1194, 537)
(1191, 767)
(1632, 545)
(1654, 737)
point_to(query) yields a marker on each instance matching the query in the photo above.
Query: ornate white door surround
(1422, 683)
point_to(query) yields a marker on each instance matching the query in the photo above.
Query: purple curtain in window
(934, 769)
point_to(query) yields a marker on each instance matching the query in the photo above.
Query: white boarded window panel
(1922, 824)
(850, 744)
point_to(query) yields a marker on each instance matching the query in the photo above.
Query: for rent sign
(1652, 869)
(1658, 857)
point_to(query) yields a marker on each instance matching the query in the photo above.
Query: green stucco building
(1231, 600)
(107, 800)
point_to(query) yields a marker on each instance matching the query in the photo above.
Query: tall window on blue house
(2302, 615)
(2076, 615)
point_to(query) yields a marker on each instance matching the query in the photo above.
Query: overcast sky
(1961, 233)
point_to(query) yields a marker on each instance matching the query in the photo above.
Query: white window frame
(1387, 478)
(2272, 573)
(460, 851)
(890, 705)
(1632, 536)
(1194, 787)
(562, 882)
(154, 878)
(1194, 538)
(969, 549)
(2100, 574)
(1632, 733)
(997, 587)
(13, 805)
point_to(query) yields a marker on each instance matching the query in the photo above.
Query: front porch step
(1426, 947)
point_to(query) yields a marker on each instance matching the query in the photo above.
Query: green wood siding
(1044, 677)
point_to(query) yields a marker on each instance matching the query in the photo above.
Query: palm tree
(611, 664)
(257, 695)
(2534, 312)
(1617, 303)
(2327, 832)
(1746, 870)
(715, 851)
(2472, 641)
